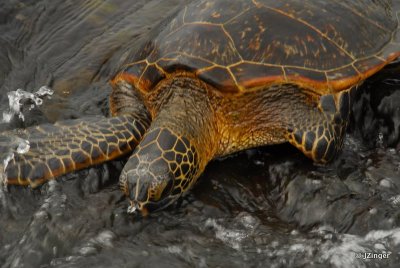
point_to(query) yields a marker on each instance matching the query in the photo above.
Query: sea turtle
(218, 77)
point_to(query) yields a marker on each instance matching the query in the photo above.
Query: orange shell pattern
(240, 45)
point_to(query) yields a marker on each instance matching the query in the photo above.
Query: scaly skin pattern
(206, 125)
(57, 149)
(160, 150)
(320, 137)
(182, 139)
(72, 145)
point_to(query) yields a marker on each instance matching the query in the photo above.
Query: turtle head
(160, 170)
(149, 186)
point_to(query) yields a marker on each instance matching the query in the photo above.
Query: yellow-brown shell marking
(255, 43)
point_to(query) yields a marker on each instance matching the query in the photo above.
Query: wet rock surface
(264, 207)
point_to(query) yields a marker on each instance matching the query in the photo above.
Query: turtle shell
(242, 45)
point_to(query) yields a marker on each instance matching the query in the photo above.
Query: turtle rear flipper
(56, 149)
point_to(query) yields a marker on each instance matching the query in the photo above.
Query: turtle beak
(136, 207)
(148, 193)
(144, 208)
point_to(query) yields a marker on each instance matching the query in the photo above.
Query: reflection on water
(263, 207)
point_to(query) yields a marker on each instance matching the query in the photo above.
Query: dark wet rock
(376, 111)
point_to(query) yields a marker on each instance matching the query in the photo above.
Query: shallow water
(264, 207)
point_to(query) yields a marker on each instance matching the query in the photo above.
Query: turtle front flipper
(181, 141)
(318, 131)
(71, 145)
(56, 149)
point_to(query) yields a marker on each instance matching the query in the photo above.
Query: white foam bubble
(231, 237)
(16, 97)
(9, 147)
(395, 200)
(23, 146)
